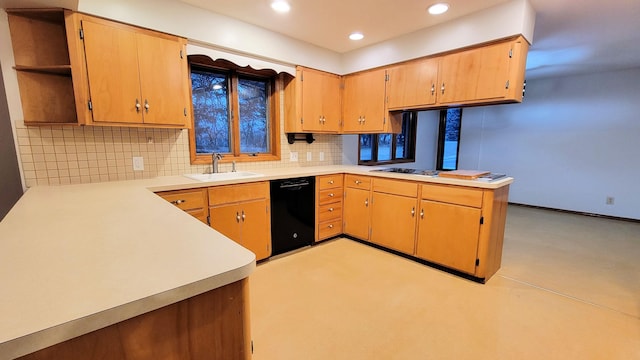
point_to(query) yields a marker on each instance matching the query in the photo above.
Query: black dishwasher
(292, 214)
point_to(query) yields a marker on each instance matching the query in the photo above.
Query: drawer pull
(330, 226)
(330, 209)
(358, 182)
(331, 195)
(178, 202)
(330, 182)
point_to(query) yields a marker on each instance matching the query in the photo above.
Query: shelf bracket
(293, 137)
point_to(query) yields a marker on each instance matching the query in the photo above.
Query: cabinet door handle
(237, 217)
(364, 119)
(178, 202)
(422, 213)
(146, 105)
(243, 216)
(413, 211)
(366, 202)
(433, 89)
(138, 105)
(442, 88)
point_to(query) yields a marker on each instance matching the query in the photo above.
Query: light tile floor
(568, 289)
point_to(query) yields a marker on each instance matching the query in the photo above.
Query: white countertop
(77, 258)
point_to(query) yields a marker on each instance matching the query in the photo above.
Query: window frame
(204, 63)
(442, 133)
(412, 117)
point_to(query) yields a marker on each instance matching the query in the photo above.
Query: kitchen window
(235, 112)
(379, 149)
(449, 139)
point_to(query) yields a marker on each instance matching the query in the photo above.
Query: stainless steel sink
(223, 176)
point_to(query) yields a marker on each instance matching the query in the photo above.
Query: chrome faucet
(214, 162)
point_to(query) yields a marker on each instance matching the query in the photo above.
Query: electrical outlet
(610, 200)
(321, 155)
(293, 156)
(309, 156)
(138, 163)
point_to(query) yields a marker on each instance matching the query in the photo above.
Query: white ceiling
(570, 36)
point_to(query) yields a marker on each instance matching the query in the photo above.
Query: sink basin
(223, 176)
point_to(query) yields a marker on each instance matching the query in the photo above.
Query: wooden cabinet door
(476, 74)
(331, 103)
(256, 228)
(163, 70)
(320, 101)
(312, 98)
(227, 220)
(393, 222)
(364, 102)
(448, 235)
(112, 69)
(412, 85)
(493, 72)
(356, 213)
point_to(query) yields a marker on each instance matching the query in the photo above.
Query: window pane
(384, 147)
(211, 112)
(451, 139)
(366, 149)
(253, 115)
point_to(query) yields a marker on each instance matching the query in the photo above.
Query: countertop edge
(77, 327)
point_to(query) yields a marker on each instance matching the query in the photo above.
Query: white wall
(571, 143)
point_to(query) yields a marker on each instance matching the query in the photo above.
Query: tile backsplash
(84, 154)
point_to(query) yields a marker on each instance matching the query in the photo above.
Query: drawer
(453, 195)
(329, 181)
(395, 187)
(329, 229)
(330, 211)
(357, 181)
(186, 199)
(226, 194)
(329, 195)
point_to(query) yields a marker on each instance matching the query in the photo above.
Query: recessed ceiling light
(280, 6)
(439, 8)
(356, 36)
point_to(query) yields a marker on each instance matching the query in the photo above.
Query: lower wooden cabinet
(241, 213)
(393, 214)
(448, 235)
(357, 196)
(192, 201)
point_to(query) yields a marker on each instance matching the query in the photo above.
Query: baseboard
(637, 221)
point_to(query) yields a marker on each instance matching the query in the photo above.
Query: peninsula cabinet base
(213, 326)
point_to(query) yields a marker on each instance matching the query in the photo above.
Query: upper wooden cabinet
(412, 84)
(312, 102)
(135, 76)
(364, 107)
(77, 69)
(492, 73)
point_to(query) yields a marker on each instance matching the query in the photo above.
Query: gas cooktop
(409, 171)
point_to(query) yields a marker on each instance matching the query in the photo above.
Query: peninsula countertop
(76, 258)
